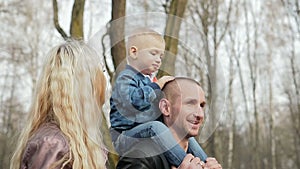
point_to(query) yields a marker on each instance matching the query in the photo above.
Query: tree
(208, 13)
(172, 29)
(25, 39)
(117, 36)
(292, 84)
(76, 26)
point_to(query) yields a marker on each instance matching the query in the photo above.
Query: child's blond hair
(140, 35)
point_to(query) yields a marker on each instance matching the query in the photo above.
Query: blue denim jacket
(134, 100)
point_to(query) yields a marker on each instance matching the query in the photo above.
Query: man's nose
(200, 112)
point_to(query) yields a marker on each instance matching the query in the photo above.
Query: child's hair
(139, 35)
(70, 93)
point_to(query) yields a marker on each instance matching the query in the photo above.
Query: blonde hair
(70, 93)
(140, 35)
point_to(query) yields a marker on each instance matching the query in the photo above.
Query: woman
(62, 130)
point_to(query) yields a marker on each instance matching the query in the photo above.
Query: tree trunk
(271, 113)
(118, 53)
(172, 29)
(112, 155)
(231, 109)
(76, 27)
(296, 102)
(117, 36)
(231, 129)
(56, 22)
(252, 63)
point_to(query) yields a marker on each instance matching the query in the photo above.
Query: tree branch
(55, 20)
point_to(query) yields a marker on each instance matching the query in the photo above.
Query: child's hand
(163, 80)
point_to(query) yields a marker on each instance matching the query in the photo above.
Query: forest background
(246, 54)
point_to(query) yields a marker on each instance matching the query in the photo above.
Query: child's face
(149, 55)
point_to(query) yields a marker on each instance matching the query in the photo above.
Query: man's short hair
(171, 89)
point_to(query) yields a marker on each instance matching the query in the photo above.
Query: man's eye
(192, 103)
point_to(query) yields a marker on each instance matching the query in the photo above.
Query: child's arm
(140, 96)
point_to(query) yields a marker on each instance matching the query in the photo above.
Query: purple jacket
(45, 147)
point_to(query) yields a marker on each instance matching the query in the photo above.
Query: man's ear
(133, 52)
(164, 106)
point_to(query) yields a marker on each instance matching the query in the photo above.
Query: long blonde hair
(70, 93)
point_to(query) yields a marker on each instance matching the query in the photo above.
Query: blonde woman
(62, 129)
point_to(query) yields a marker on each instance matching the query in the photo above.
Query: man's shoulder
(145, 155)
(153, 162)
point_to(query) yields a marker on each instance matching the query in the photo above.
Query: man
(182, 111)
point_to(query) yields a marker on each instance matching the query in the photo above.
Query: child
(134, 100)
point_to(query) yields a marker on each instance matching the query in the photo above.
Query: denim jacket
(134, 100)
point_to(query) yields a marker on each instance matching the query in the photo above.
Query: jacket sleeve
(43, 152)
(140, 97)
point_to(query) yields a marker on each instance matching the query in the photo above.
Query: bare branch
(55, 19)
(110, 73)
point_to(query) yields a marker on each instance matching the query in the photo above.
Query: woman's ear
(164, 106)
(133, 52)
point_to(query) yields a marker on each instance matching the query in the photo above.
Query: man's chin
(193, 133)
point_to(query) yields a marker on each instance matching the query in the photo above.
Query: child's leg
(195, 147)
(160, 134)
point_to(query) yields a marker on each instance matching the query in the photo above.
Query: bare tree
(252, 64)
(231, 110)
(116, 34)
(76, 26)
(233, 67)
(20, 64)
(208, 13)
(294, 96)
(176, 12)
(10, 107)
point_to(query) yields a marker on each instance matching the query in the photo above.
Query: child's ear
(164, 106)
(133, 52)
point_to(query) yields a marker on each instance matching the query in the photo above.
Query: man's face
(187, 111)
